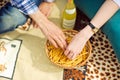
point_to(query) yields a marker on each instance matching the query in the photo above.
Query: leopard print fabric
(103, 64)
(75, 74)
(3, 2)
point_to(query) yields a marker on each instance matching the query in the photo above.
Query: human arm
(51, 31)
(106, 11)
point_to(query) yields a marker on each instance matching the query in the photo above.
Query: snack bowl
(57, 56)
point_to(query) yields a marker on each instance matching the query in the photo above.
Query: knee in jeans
(7, 24)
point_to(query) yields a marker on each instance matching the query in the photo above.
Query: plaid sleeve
(25, 6)
(117, 2)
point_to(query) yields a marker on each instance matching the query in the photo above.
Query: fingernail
(56, 46)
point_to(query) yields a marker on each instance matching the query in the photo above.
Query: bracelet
(94, 29)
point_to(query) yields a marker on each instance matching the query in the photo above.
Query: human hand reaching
(78, 42)
(54, 34)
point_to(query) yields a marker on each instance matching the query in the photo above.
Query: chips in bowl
(57, 56)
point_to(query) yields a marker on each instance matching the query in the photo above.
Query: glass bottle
(69, 15)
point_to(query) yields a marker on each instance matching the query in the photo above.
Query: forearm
(107, 10)
(39, 18)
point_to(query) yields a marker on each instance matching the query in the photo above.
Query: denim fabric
(11, 17)
(111, 27)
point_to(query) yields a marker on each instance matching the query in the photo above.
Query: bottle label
(68, 23)
(49, 0)
(70, 11)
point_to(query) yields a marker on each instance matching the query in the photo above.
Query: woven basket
(57, 57)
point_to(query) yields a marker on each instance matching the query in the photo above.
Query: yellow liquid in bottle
(69, 15)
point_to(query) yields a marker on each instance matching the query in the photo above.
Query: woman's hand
(78, 42)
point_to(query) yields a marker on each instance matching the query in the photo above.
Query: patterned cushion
(3, 2)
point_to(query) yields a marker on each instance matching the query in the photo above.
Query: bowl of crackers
(57, 56)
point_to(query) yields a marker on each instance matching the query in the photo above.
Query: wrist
(94, 28)
(39, 18)
(87, 31)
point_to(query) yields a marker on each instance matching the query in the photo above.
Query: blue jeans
(11, 17)
(111, 27)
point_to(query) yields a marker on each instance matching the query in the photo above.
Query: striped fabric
(25, 6)
(118, 2)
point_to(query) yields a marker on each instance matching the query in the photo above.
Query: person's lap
(11, 17)
(111, 28)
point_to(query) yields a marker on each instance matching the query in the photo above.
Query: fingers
(62, 40)
(63, 35)
(58, 40)
(63, 44)
(53, 42)
(66, 52)
(70, 53)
